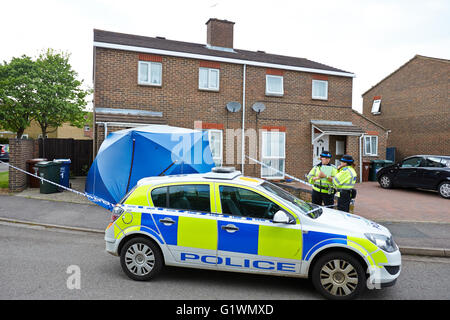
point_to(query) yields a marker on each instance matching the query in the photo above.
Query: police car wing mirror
(282, 217)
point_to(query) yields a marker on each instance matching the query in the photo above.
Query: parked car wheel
(444, 189)
(385, 182)
(141, 259)
(338, 276)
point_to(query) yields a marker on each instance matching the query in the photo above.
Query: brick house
(302, 104)
(413, 103)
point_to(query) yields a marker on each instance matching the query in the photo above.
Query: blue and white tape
(91, 197)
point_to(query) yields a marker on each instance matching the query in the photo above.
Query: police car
(223, 220)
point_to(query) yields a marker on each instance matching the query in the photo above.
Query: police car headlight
(381, 241)
(116, 212)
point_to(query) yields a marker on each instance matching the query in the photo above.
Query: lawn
(4, 180)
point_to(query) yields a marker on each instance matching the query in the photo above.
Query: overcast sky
(370, 38)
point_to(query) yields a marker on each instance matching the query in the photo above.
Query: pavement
(418, 220)
(3, 167)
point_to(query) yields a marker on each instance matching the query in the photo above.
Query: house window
(208, 79)
(273, 154)
(150, 73)
(320, 89)
(370, 145)
(274, 85)
(376, 106)
(215, 138)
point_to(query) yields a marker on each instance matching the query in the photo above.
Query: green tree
(18, 86)
(60, 97)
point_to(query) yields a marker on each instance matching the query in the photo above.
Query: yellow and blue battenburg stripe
(204, 231)
(313, 240)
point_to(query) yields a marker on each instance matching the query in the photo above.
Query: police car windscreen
(298, 203)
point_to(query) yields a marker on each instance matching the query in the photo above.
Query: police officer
(320, 177)
(344, 183)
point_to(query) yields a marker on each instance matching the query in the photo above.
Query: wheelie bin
(64, 172)
(375, 166)
(49, 170)
(31, 168)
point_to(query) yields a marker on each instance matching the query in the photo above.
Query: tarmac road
(35, 260)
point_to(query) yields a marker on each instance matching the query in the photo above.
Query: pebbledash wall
(20, 150)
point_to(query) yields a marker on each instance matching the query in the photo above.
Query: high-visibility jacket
(345, 179)
(322, 185)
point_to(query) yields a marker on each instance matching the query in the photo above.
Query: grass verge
(4, 180)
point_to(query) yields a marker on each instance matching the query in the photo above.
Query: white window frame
(370, 152)
(210, 71)
(218, 159)
(376, 107)
(316, 82)
(265, 157)
(150, 64)
(274, 93)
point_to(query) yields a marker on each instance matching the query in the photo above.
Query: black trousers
(344, 199)
(319, 197)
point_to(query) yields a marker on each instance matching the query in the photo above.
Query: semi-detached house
(289, 109)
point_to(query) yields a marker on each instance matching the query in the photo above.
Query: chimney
(219, 33)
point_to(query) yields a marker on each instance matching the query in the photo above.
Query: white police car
(225, 221)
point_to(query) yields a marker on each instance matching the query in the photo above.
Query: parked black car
(4, 152)
(424, 171)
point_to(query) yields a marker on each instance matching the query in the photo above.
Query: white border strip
(218, 59)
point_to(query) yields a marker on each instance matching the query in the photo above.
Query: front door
(319, 146)
(248, 240)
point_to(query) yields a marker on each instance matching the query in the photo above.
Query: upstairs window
(150, 73)
(320, 89)
(376, 105)
(274, 85)
(208, 79)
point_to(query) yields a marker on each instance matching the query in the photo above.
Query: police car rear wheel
(338, 276)
(141, 259)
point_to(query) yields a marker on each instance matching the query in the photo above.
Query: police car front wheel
(141, 259)
(338, 276)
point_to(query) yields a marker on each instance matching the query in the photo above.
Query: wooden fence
(78, 151)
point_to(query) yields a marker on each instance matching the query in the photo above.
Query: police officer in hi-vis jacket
(323, 191)
(344, 183)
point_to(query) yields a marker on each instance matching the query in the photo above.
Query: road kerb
(415, 251)
(51, 226)
(430, 252)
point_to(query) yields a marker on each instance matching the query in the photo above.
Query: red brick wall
(182, 103)
(415, 106)
(20, 150)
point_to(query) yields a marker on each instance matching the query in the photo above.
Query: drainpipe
(360, 158)
(243, 121)
(105, 125)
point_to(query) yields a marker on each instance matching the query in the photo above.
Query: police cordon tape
(278, 171)
(90, 197)
(295, 179)
(110, 205)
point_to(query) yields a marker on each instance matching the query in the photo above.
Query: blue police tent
(129, 155)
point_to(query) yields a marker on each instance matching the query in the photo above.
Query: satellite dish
(259, 107)
(233, 106)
